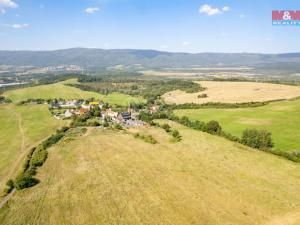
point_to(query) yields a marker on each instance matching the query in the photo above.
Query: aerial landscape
(169, 113)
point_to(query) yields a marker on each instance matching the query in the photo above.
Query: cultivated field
(21, 128)
(281, 118)
(110, 177)
(234, 92)
(60, 90)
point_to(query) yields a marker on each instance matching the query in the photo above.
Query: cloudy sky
(177, 25)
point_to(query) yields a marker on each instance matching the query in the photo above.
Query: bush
(118, 126)
(146, 138)
(39, 157)
(105, 124)
(202, 96)
(9, 186)
(257, 139)
(213, 127)
(175, 133)
(166, 127)
(25, 180)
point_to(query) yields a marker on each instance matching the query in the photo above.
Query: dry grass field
(234, 92)
(21, 128)
(109, 177)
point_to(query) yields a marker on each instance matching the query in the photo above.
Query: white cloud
(92, 10)
(17, 25)
(2, 11)
(242, 16)
(8, 4)
(186, 43)
(225, 9)
(209, 10)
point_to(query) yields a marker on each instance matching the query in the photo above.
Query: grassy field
(109, 177)
(21, 127)
(281, 118)
(234, 92)
(60, 90)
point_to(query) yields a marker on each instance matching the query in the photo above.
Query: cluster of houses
(67, 109)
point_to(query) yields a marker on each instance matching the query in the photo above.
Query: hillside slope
(109, 177)
(101, 58)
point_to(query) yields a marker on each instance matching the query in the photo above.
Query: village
(102, 111)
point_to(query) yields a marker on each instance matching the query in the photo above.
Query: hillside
(21, 128)
(100, 58)
(60, 90)
(110, 177)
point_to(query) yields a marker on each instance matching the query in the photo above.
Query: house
(109, 113)
(69, 113)
(83, 111)
(123, 117)
(69, 104)
(87, 107)
(54, 105)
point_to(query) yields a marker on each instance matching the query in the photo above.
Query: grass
(281, 118)
(234, 92)
(59, 90)
(21, 127)
(109, 177)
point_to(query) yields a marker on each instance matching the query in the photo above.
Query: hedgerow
(261, 140)
(36, 158)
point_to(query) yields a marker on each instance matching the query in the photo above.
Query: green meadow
(60, 90)
(281, 118)
(21, 128)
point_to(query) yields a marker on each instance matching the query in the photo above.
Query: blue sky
(176, 25)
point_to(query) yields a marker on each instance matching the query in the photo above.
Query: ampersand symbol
(286, 15)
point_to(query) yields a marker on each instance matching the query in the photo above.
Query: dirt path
(6, 198)
(291, 218)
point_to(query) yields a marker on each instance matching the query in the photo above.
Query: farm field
(110, 177)
(22, 127)
(60, 90)
(234, 92)
(281, 118)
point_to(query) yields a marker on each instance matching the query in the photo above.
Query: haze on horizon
(178, 26)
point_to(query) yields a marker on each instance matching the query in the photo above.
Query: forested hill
(147, 58)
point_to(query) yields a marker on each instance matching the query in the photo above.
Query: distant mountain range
(100, 58)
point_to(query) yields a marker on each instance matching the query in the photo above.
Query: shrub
(105, 124)
(25, 180)
(118, 126)
(39, 157)
(146, 138)
(257, 139)
(9, 186)
(166, 127)
(202, 96)
(213, 127)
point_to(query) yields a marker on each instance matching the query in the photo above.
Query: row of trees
(259, 139)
